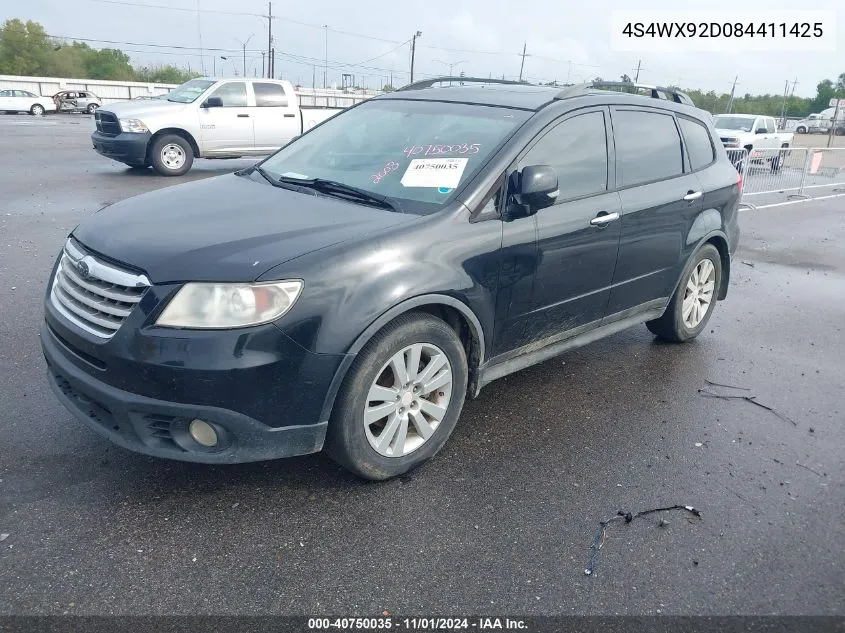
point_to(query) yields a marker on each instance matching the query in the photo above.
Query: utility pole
(326, 61)
(243, 45)
(783, 106)
(413, 52)
(731, 100)
(269, 40)
(639, 67)
(833, 123)
(313, 77)
(569, 72)
(522, 65)
(262, 62)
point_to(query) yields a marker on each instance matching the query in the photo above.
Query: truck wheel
(171, 155)
(692, 304)
(778, 161)
(400, 399)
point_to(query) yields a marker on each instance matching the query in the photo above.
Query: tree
(24, 48)
(167, 74)
(387, 88)
(626, 79)
(824, 93)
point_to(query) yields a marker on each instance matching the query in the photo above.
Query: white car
(23, 101)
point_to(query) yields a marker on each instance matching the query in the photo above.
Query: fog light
(203, 433)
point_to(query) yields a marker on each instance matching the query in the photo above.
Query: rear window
(699, 146)
(648, 146)
(269, 95)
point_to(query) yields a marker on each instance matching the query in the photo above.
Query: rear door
(6, 102)
(660, 199)
(228, 129)
(275, 116)
(577, 237)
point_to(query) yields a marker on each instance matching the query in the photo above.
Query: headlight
(220, 306)
(133, 125)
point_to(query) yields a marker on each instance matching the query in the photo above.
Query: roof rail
(655, 92)
(428, 83)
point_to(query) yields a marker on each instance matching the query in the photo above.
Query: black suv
(352, 289)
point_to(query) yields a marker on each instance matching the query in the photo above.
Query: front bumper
(126, 147)
(140, 389)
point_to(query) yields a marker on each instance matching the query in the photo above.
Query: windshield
(415, 152)
(734, 123)
(189, 91)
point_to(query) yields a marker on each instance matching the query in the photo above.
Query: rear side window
(269, 95)
(699, 146)
(232, 94)
(648, 147)
(577, 149)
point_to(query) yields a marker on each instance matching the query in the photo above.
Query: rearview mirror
(760, 130)
(537, 189)
(213, 102)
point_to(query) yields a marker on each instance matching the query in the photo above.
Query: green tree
(24, 48)
(167, 74)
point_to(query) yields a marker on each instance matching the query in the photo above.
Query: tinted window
(577, 149)
(233, 94)
(697, 139)
(269, 95)
(647, 146)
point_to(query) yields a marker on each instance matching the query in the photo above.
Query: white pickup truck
(753, 132)
(204, 118)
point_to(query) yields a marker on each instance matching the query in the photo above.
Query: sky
(566, 40)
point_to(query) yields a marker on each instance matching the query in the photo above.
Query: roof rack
(428, 83)
(655, 92)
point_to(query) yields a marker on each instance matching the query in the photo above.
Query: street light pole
(326, 61)
(413, 51)
(451, 65)
(243, 45)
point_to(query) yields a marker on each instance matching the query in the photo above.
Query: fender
(384, 319)
(699, 242)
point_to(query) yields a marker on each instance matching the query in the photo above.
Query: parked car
(352, 289)
(77, 101)
(753, 132)
(204, 118)
(25, 101)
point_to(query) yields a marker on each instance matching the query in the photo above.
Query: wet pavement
(501, 521)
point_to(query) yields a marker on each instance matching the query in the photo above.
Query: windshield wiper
(291, 184)
(342, 190)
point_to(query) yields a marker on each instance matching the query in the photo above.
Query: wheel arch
(178, 132)
(454, 312)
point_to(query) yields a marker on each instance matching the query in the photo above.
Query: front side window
(577, 150)
(269, 95)
(699, 146)
(770, 125)
(189, 91)
(648, 147)
(415, 152)
(232, 94)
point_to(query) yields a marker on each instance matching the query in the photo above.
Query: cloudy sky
(369, 38)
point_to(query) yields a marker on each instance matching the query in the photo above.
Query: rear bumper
(129, 148)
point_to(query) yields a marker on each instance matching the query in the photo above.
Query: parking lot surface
(501, 521)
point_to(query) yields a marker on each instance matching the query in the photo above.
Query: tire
(92, 108)
(354, 444)
(777, 161)
(37, 109)
(801, 129)
(171, 155)
(672, 326)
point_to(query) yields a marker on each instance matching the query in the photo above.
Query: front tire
(401, 398)
(92, 108)
(171, 155)
(37, 110)
(692, 303)
(801, 129)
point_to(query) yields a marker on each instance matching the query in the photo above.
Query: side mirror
(760, 130)
(213, 102)
(537, 189)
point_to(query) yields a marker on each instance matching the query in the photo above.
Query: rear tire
(171, 155)
(387, 421)
(692, 303)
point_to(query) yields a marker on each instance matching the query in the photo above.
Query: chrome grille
(95, 296)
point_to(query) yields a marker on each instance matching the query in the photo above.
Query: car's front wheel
(801, 129)
(37, 109)
(92, 108)
(401, 398)
(171, 155)
(692, 304)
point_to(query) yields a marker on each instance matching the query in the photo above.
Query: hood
(228, 228)
(137, 109)
(723, 132)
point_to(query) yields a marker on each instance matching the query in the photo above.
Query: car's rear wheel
(92, 108)
(37, 109)
(401, 398)
(171, 155)
(692, 304)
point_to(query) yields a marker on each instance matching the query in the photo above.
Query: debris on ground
(3, 537)
(751, 399)
(601, 535)
(749, 264)
(812, 470)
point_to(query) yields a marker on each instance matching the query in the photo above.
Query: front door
(660, 198)
(274, 116)
(577, 238)
(228, 129)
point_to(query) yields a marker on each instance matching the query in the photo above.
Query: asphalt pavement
(501, 521)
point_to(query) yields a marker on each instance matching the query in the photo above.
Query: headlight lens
(133, 125)
(220, 306)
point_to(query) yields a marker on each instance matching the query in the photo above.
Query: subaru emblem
(82, 269)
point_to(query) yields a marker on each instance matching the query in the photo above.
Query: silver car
(77, 101)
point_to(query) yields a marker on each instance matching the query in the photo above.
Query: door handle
(604, 218)
(693, 195)
(289, 116)
(243, 116)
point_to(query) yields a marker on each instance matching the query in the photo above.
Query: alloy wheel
(698, 294)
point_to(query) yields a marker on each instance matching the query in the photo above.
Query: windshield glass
(416, 152)
(734, 123)
(189, 91)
